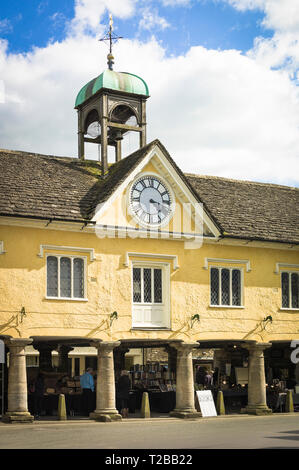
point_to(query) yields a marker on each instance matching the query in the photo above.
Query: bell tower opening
(109, 108)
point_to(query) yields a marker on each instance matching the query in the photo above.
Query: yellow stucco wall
(23, 284)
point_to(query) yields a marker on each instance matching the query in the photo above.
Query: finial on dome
(112, 39)
(110, 61)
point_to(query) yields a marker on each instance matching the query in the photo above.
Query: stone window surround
(77, 299)
(294, 309)
(230, 268)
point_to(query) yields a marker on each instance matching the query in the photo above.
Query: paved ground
(248, 432)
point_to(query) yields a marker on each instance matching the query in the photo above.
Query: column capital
(122, 349)
(256, 347)
(44, 346)
(65, 347)
(184, 347)
(17, 342)
(105, 345)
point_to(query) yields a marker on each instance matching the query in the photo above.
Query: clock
(151, 201)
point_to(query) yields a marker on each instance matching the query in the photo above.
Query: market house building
(101, 262)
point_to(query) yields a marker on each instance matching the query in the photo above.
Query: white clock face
(151, 201)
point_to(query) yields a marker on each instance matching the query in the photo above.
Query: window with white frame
(147, 285)
(290, 289)
(65, 277)
(150, 296)
(226, 286)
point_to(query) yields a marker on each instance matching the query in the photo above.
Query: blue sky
(223, 78)
(212, 25)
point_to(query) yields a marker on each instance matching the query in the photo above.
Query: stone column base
(18, 417)
(105, 417)
(185, 414)
(258, 411)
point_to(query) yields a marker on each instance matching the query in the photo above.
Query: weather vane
(112, 39)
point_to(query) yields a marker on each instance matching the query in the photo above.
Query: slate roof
(250, 210)
(49, 187)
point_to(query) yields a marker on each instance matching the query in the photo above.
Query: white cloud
(5, 26)
(2, 92)
(174, 3)
(281, 15)
(58, 19)
(243, 5)
(151, 20)
(282, 50)
(88, 13)
(217, 112)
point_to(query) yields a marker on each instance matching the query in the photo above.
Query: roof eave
(259, 239)
(111, 90)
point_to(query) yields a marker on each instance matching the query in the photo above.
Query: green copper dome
(120, 81)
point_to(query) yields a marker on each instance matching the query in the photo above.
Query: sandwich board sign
(206, 403)
(2, 352)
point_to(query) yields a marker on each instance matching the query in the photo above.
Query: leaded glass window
(147, 285)
(226, 287)
(236, 286)
(290, 290)
(65, 277)
(136, 285)
(158, 285)
(214, 286)
(78, 275)
(52, 276)
(285, 290)
(295, 290)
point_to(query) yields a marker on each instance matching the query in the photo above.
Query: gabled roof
(40, 186)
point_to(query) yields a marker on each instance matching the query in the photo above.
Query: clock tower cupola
(109, 106)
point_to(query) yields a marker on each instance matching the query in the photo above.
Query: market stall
(158, 381)
(54, 385)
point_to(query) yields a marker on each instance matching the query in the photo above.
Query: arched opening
(123, 114)
(92, 127)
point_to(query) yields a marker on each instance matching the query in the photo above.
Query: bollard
(220, 403)
(289, 402)
(145, 407)
(61, 408)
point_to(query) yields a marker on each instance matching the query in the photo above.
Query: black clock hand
(163, 208)
(156, 202)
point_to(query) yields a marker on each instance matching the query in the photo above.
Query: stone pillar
(185, 406)
(63, 351)
(105, 407)
(17, 408)
(45, 355)
(257, 403)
